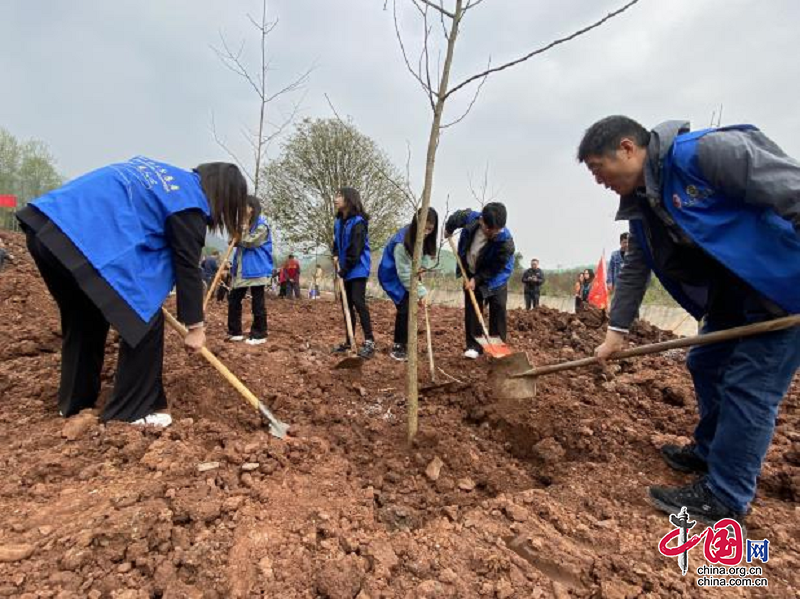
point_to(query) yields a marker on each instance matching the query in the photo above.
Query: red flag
(598, 294)
(8, 201)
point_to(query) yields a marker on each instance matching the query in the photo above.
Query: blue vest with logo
(387, 271)
(491, 248)
(754, 243)
(116, 216)
(257, 261)
(342, 232)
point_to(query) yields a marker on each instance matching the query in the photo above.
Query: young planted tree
(266, 131)
(451, 16)
(320, 157)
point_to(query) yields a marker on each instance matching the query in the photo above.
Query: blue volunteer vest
(257, 261)
(753, 242)
(387, 271)
(116, 217)
(490, 250)
(343, 232)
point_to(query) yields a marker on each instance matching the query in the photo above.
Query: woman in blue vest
(351, 250)
(251, 269)
(110, 246)
(394, 274)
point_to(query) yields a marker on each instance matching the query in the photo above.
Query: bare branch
(472, 4)
(279, 128)
(471, 104)
(264, 27)
(543, 49)
(427, 56)
(481, 198)
(233, 62)
(438, 7)
(404, 190)
(444, 27)
(221, 144)
(293, 86)
(428, 91)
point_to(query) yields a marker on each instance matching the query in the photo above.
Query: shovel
(433, 384)
(276, 427)
(218, 276)
(352, 361)
(512, 380)
(493, 346)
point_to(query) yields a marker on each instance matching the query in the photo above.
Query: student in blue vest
(251, 269)
(351, 249)
(715, 214)
(486, 249)
(394, 274)
(110, 245)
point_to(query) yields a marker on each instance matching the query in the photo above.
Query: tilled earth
(537, 498)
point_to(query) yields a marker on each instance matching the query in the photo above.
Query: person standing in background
(616, 262)
(533, 279)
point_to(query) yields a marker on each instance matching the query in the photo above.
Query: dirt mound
(496, 499)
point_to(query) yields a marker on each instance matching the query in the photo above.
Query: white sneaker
(159, 419)
(472, 354)
(252, 341)
(235, 338)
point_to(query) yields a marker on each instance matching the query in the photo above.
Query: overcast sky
(101, 81)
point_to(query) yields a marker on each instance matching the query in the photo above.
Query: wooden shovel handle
(214, 361)
(220, 270)
(348, 323)
(654, 348)
(471, 293)
(430, 342)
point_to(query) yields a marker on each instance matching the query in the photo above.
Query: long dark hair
(255, 205)
(352, 203)
(225, 189)
(429, 243)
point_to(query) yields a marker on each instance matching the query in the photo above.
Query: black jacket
(488, 264)
(533, 279)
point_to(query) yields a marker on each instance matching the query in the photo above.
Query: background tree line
(27, 170)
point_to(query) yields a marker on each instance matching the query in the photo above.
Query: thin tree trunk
(412, 381)
(263, 81)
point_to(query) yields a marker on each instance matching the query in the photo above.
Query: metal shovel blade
(277, 428)
(349, 363)
(494, 346)
(501, 377)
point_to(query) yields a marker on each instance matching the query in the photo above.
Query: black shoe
(367, 350)
(684, 458)
(342, 348)
(399, 352)
(698, 500)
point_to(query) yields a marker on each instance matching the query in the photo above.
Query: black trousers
(138, 387)
(293, 289)
(497, 317)
(222, 288)
(356, 291)
(258, 330)
(531, 298)
(401, 322)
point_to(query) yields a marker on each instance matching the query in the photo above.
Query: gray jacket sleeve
(749, 166)
(630, 288)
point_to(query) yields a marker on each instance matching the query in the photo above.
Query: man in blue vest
(486, 249)
(715, 215)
